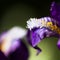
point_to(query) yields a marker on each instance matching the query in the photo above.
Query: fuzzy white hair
(34, 22)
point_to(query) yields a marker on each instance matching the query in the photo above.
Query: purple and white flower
(38, 29)
(10, 39)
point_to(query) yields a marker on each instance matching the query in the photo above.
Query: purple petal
(18, 51)
(40, 34)
(38, 49)
(33, 40)
(58, 43)
(36, 35)
(55, 12)
(13, 47)
(2, 56)
(21, 53)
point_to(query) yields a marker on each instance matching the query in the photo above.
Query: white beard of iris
(34, 22)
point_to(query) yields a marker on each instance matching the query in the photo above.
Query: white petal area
(16, 33)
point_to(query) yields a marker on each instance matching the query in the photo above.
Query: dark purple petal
(38, 49)
(21, 53)
(33, 42)
(58, 43)
(55, 12)
(2, 56)
(40, 34)
(16, 50)
(36, 35)
(35, 38)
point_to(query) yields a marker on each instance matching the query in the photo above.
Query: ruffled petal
(40, 34)
(36, 35)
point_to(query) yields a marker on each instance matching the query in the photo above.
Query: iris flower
(12, 44)
(38, 29)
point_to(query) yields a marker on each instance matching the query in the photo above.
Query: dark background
(18, 12)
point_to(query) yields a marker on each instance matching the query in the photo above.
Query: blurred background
(16, 13)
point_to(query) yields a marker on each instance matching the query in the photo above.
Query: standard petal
(55, 12)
